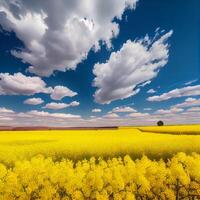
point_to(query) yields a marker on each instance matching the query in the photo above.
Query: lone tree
(160, 123)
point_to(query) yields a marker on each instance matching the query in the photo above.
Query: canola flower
(98, 179)
(79, 144)
(176, 130)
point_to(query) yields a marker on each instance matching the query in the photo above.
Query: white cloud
(162, 111)
(19, 84)
(58, 106)
(147, 109)
(123, 109)
(151, 91)
(181, 92)
(5, 120)
(51, 115)
(42, 118)
(194, 109)
(5, 110)
(58, 36)
(190, 82)
(96, 110)
(74, 103)
(92, 117)
(135, 63)
(176, 110)
(189, 102)
(111, 115)
(145, 83)
(60, 92)
(38, 118)
(138, 114)
(33, 101)
(169, 111)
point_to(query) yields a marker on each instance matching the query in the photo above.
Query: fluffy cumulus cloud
(123, 109)
(173, 115)
(151, 91)
(19, 84)
(58, 106)
(111, 116)
(5, 110)
(95, 110)
(55, 106)
(33, 101)
(189, 102)
(74, 103)
(60, 92)
(38, 118)
(137, 115)
(136, 63)
(181, 92)
(6, 116)
(177, 114)
(168, 111)
(57, 35)
(52, 115)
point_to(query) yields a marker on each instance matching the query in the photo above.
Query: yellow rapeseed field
(182, 130)
(128, 163)
(112, 179)
(79, 144)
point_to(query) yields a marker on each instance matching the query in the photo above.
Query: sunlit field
(97, 179)
(119, 164)
(80, 144)
(177, 130)
(128, 163)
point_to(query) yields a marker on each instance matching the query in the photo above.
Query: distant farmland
(107, 142)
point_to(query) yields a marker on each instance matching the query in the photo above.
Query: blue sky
(70, 60)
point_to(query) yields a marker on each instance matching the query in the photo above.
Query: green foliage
(160, 123)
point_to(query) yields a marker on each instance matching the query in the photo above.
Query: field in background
(177, 130)
(80, 144)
